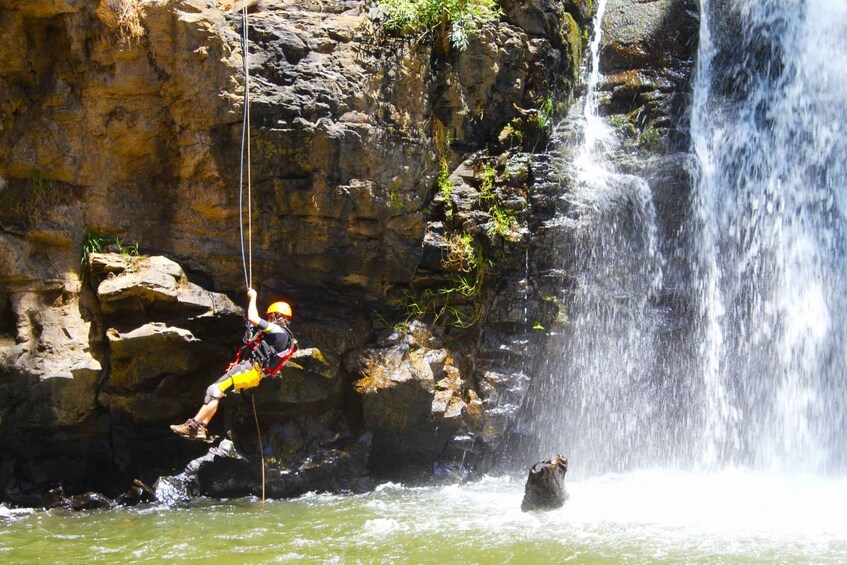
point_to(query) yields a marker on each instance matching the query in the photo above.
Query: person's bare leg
(207, 411)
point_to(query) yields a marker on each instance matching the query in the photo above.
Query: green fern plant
(502, 222)
(445, 186)
(545, 112)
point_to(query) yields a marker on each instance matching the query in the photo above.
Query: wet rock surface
(545, 485)
(338, 466)
(138, 493)
(647, 58)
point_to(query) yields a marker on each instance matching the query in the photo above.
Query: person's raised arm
(252, 311)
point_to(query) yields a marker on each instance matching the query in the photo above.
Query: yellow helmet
(280, 308)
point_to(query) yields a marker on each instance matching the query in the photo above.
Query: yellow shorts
(244, 375)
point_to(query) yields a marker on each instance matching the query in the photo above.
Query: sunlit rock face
(129, 124)
(164, 334)
(96, 369)
(414, 399)
(144, 125)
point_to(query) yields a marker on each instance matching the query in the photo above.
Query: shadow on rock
(55, 499)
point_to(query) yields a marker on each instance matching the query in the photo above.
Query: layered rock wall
(371, 157)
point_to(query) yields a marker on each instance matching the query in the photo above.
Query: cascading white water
(607, 400)
(769, 129)
(757, 378)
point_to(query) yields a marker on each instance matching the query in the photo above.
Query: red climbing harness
(262, 352)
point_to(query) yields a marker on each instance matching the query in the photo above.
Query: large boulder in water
(545, 485)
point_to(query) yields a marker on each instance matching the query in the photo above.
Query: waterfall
(768, 216)
(601, 400)
(756, 376)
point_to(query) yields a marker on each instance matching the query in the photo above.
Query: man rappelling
(270, 344)
(265, 352)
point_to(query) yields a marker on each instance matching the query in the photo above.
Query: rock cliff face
(396, 198)
(122, 124)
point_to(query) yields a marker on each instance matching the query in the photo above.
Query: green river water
(647, 517)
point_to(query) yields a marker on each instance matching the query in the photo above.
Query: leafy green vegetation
(461, 253)
(468, 286)
(460, 301)
(455, 295)
(445, 185)
(651, 138)
(395, 200)
(381, 322)
(545, 112)
(459, 19)
(96, 242)
(486, 186)
(441, 140)
(624, 123)
(641, 130)
(502, 223)
(512, 133)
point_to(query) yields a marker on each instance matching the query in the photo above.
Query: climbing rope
(247, 262)
(245, 150)
(261, 447)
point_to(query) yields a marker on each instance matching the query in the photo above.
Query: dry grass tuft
(123, 17)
